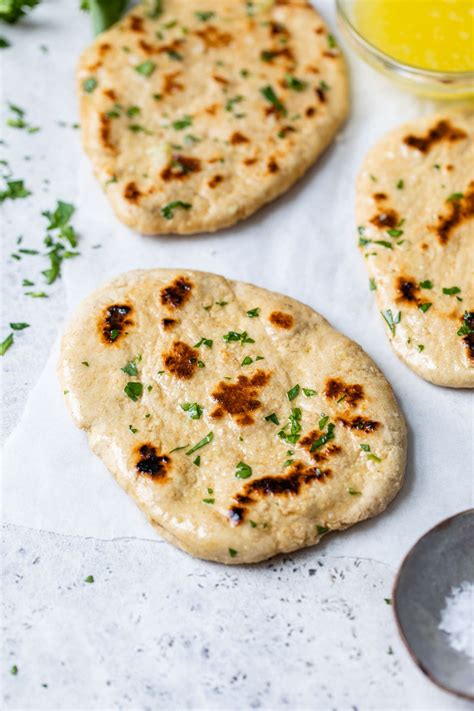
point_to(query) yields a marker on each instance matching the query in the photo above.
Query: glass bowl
(436, 84)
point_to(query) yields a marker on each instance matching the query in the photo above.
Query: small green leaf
(353, 492)
(247, 361)
(268, 93)
(253, 313)
(6, 344)
(293, 392)
(309, 393)
(372, 284)
(89, 84)
(193, 410)
(391, 320)
(424, 307)
(133, 390)
(146, 68)
(14, 670)
(204, 341)
(321, 530)
(19, 326)
(454, 197)
(208, 438)
(426, 284)
(451, 290)
(232, 552)
(204, 16)
(272, 418)
(168, 210)
(420, 347)
(243, 471)
(400, 185)
(197, 462)
(294, 83)
(183, 123)
(89, 579)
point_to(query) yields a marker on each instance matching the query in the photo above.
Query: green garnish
(243, 471)
(204, 341)
(365, 447)
(426, 284)
(324, 438)
(374, 457)
(383, 243)
(391, 320)
(232, 102)
(424, 307)
(208, 438)
(89, 84)
(12, 10)
(466, 328)
(272, 418)
(178, 449)
(400, 185)
(294, 421)
(293, 392)
(14, 670)
(332, 41)
(309, 393)
(131, 367)
(234, 336)
(36, 294)
(4, 43)
(294, 83)
(395, 233)
(454, 197)
(321, 530)
(323, 421)
(208, 501)
(232, 552)
(104, 13)
(451, 290)
(388, 600)
(173, 54)
(19, 121)
(253, 313)
(247, 361)
(6, 344)
(325, 87)
(204, 16)
(197, 462)
(15, 190)
(353, 492)
(183, 123)
(168, 210)
(89, 579)
(19, 326)
(133, 390)
(146, 68)
(372, 284)
(85, 362)
(132, 429)
(268, 93)
(420, 347)
(193, 409)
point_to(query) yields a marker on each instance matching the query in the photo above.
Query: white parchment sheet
(304, 245)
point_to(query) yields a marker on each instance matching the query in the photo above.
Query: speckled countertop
(157, 629)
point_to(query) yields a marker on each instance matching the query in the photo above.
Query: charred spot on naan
(387, 218)
(131, 192)
(181, 361)
(150, 463)
(135, 23)
(104, 132)
(407, 291)
(337, 389)
(240, 399)
(359, 424)
(213, 38)
(443, 130)
(467, 332)
(177, 293)
(215, 181)
(458, 210)
(113, 322)
(181, 168)
(168, 323)
(290, 484)
(238, 138)
(280, 319)
(171, 84)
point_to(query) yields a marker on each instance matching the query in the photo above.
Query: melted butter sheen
(430, 34)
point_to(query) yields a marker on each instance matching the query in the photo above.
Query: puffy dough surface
(415, 216)
(300, 433)
(172, 110)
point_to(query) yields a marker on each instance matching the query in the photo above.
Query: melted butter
(429, 34)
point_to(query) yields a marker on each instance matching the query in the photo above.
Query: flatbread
(415, 212)
(226, 390)
(174, 120)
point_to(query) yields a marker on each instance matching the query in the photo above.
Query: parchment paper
(304, 245)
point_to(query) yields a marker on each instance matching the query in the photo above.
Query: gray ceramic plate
(441, 559)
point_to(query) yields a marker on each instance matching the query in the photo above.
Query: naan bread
(239, 420)
(415, 211)
(195, 118)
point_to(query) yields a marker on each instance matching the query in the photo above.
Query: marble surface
(157, 629)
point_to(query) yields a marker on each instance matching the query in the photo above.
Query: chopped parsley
(197, 462)
(204, 341)
(232, 552)
(294, 422)
(454, 197)
(182, 123)
(6, 344)
(466, 329)
(15, 190)
(133, 390)
(12, 10)
(208, 501)
(372, 284)
(243, 471)
(273, 418)
(131, 367)
(232, 102)
(89, 579)
(19, 120)
(19, 326)
(146, 68)
(451, 290)
(168, 210)
(132, 429)
(204, 16)
(173, 54)
(309, 393)
(14, 670)
(85, 363)
(234, 336)
(208, 438)
(353, 492)
(391, 320)
(247, 361)
(89, 84)
(321, 530)
(296, 84)
(400, 185)
(426, 284)
(193, 409)
(332, 42)
(395, 233)
(424, 307)
(268, 93)
(373, 457)
(293, 392)
(324, 438)
(323, 421)
(253, 313)
(420, 347)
